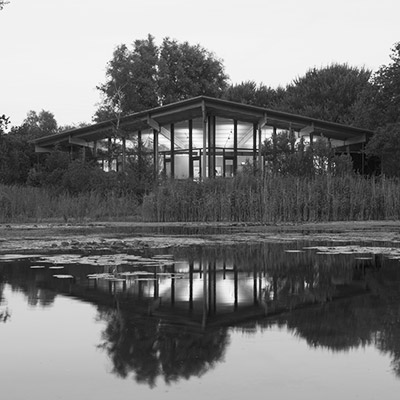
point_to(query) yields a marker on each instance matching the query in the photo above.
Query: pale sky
(54, 52)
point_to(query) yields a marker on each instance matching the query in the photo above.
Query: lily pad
(63, 276)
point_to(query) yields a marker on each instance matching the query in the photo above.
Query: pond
(282, 319)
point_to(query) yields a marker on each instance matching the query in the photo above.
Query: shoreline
(113, 237)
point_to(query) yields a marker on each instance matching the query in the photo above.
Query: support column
(235, 146)
(155, 152)
(260, 157)
(223, 163)
(254, 146)
(123, 154)
(363, 158)
(191, 149)
(210, 147)
(203, 173)
(109, 155)
(214, 151)
(172, 128)
(139, 154)
(274, 149)
(95, 149)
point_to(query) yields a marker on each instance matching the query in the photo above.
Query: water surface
(282, 320)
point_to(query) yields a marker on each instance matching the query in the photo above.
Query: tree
(4, 121)
(132, 73)
(148, 75)
(40, 124)
(185, 71)
(385, 106)
(385, 145)
(331, 93)
(3, 3)
(17, 154)
(387, 85)
(249, 92)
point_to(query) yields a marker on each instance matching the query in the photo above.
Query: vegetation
(297, 183)
(3, 3)
(30, 204)
(148, 75)
(276, 198)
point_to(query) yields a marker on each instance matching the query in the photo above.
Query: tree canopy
(148, 75)
(38, 124)
(330, 93)
(387, 84)
(249, 92)
(3, 3)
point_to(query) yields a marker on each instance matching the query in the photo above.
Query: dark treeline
(145, 75)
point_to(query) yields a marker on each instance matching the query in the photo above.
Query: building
(203, 137)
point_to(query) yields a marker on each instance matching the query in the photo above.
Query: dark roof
(192, 109)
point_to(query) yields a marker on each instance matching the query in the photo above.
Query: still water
(276, 320)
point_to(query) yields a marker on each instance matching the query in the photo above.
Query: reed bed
(30, 204)
(276, 199)
(245, 198)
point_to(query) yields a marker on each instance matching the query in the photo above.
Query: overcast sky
(54, 52)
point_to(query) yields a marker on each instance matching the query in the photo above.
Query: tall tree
(185, 71)
(149, 75)
(3, 3)
(387, 84)
(385, 108)
(329, 93)
(131, 79)
(17, 155)
(40, 124)
(249, 92)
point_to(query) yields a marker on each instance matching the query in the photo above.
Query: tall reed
(245, 198)
(24, 204)
(276, 199)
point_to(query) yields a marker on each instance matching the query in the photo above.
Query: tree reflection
(149, 348)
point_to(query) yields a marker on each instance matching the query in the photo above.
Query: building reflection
(172, 321)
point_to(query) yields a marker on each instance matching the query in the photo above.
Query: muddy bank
(122, 237)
